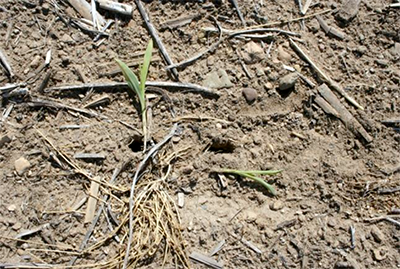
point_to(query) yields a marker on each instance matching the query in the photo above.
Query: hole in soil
(285, 94)
(136, 144)
(220, 145)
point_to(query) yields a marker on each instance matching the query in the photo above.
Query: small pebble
(17, 226)
(277, 205)
(377, 234)
(287, 82)
(268, 86)
(250, 94)
(12, 208)
(383, 63)
(343, 265)
(21, 165)
(332, 223)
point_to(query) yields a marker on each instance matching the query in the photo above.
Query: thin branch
(201, 54)
(154, 34)
(325, 78)
(89, 232)
(188, 87)
(236, 5)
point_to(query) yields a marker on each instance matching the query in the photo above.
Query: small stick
(97, 216)
(139, 169)
(93, 11)
(326, 106)
(236, 5)
(329, 30)
(181, 21)
(201, 258)
(48, 103)
(123, 85)
(154, 34)
(344, 114)
(300, 5)
(102, 33)
(116, 7)
(352, 237)
(323, 76)
(201, 54)
(6, 65)
(84, 8)
(10, 87)
(8, 34)
(98, 102)
(6, 113)
(246, 71)
(305, 7)
(290, 20)
(217, 248)
(257, 30)
(389, 219)
(45, 81)
(92, 202)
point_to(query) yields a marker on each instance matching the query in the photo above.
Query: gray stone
(314, 25)
(217, 80)
(343, 265)
(348, 11)
(21, 165)
(287, 82)
(332, 223)
(283, 55)
(253, 53)
(4, 140)
(268, 86)
(277, 205)
(395, 50)
(381, 62)
(250, 94)
(377, 234)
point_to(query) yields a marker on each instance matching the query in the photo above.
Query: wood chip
(89, 156)
(325, 78)
(201, 258)
(179, 22)
(120, 8)
(99, 102)
(181, 199)
(326, 106)
(217, 248)
(331, 31)
(344, 114)
(6, 65)
(92, 202)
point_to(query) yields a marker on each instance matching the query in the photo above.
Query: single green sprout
(139, 87)
(253, 174)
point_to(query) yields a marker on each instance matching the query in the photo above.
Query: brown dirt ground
(331, 179)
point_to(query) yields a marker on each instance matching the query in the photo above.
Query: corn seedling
(139, 87)
(254, 175)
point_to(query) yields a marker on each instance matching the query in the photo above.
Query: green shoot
(253, 175)
(139, 87)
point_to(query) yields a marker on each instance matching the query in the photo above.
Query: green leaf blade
(146, 64)
(130, 77)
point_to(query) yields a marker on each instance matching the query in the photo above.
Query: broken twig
(188, 87)
(157, 40)
(6, 65)
(322, 75)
